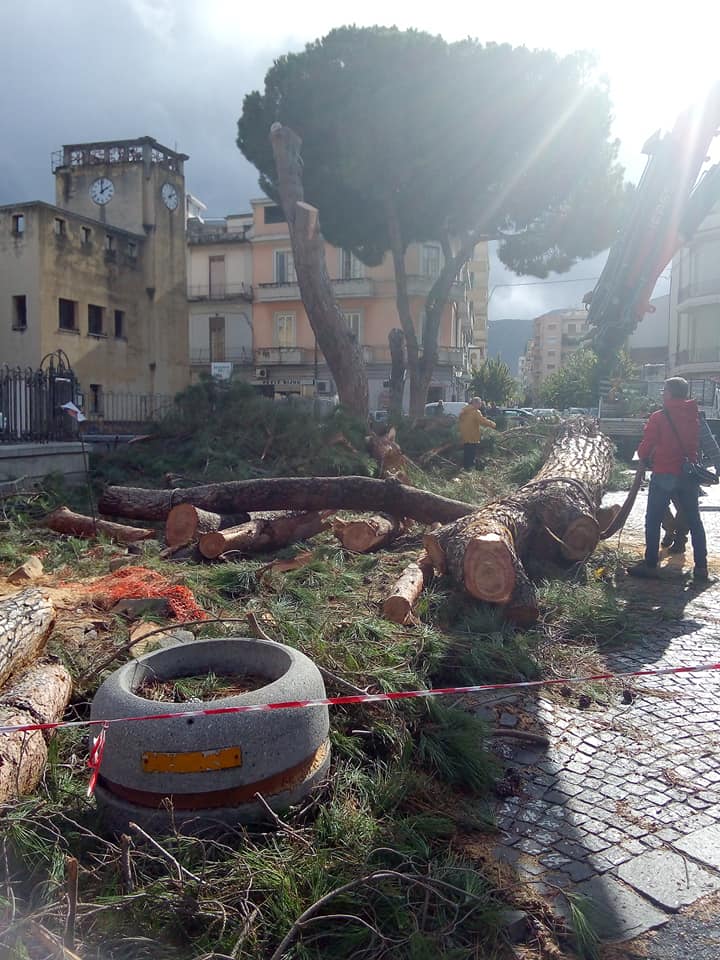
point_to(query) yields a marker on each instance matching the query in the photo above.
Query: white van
(444, 408)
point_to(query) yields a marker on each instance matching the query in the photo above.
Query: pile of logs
(493, 551)
(33, 689)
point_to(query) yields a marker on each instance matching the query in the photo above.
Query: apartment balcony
(353, 287)
(286, 355)
(268, 292)
(239, 358)
(223, 291)
(447, 356)
(705, 287)
(689, 363)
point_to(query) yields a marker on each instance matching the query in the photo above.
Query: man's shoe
(667, 540)
(678, 547)
(643, 571)
(700, 575)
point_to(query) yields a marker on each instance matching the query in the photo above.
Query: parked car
(444, 408)
(576, 412)
(516, 415)
(380, 416)
(547, 414)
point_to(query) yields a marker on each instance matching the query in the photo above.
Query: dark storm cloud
(90, 70)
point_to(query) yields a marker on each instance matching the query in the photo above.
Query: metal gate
(31, 401)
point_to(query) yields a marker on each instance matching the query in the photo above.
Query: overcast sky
(177, 70)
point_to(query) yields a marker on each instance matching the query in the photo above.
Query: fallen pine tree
(261, 534)
(549, 520)
(64, 520)
(553, 519)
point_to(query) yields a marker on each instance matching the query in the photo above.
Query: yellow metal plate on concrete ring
(196, 762)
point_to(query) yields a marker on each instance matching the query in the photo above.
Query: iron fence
(128, 408)
(31, 402)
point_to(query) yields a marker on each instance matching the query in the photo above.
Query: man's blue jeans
(662, 487)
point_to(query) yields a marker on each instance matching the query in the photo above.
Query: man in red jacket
(665, 450)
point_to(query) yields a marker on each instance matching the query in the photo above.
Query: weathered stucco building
(102, 273)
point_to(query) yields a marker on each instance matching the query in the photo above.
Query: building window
(350, 267)
(95, 320)
(285, 329)
(67, 314)
(217, 339)
(551, 353)
(86, 235)
(354, 322)
(216, 286)
(60, 227)
(132, 250)
(284, 267)
(96, 398)
(19, 314)
(273, 214)
(18, 224)
(430, 260)
(119, 324)
(109, 243)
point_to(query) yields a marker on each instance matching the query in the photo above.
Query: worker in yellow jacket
(470, 421)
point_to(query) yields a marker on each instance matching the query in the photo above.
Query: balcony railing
(238, 357)
(705, 287)
(222, 291)
(705, 355)
(353, 287)
(269, 355)
(277, 291)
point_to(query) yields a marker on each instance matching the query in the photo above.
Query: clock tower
(137, 187)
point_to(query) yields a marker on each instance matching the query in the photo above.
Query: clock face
(169, 196)
(102, 190)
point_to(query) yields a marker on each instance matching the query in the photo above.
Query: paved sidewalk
(624, 806)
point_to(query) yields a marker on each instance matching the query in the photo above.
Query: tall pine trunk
(396, 340)
(342, 353)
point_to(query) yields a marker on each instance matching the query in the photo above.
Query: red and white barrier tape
(358, 698)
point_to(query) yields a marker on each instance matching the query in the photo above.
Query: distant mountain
(507, 339)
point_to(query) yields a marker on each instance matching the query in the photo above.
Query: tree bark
(341, 351)
(26, 620)
(398, 606)
(396, 342)
(552, 519)
(186, 523)
(389, 457)
(366, 534)
(287, 493)
(38, 695)
(66, 521)
(263, 534)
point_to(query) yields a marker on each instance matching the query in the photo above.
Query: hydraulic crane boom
(669, 205)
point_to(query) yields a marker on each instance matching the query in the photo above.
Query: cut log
(263, 534)
(74, 524)
(26, 620)
(550, 520)
(398, 606)
(366, 534)
(38, 695)
(287, 493)
(186, 523)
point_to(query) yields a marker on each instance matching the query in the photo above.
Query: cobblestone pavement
(624, 805)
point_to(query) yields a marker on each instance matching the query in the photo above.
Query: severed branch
(166, 855)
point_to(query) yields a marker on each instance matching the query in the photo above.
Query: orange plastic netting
(138, 583)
